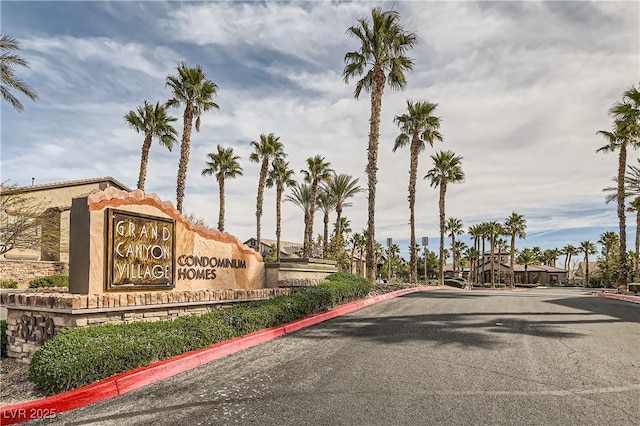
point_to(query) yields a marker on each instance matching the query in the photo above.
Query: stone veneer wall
(33, 317)
(298, 272)
(24, 271)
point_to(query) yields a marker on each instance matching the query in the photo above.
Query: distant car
(455, 282)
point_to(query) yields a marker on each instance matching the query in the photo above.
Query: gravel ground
(14, 376)
(16, 387)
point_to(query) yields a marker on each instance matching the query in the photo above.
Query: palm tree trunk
(312, 208)
(144, 160)
(260, 198)
(372, 166)
(493, 274)
(325, 235)
(339, 225)
(221, 211)
(413, 171)
(623, 277)
(279, 190)
(586, 269)
(443, 190)
(453, 253)
(184, 155)
(636, 274)
(512, 274)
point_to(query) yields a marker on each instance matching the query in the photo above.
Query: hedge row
(82, 355)
(50, 281)
(8, 284)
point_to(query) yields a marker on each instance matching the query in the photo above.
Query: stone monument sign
(132, 241)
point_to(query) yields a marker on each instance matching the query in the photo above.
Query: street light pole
(425, 243)
(389, 243)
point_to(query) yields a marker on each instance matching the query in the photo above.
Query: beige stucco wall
(189, 240)
(59, 198)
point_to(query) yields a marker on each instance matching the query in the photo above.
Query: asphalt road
(540, 357)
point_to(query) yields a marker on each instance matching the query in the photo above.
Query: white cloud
(522, 88)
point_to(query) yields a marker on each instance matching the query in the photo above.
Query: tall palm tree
(453, 227)
(326, 203)
(224, 165)
(447, 168)
(342, 187)
(608, 240)
(318, 171)
(515, 225)
(301, 197)
(151, 121)
(8, 79)
(280, 176)
(380, 60)
(269, 148)
(417, 126)
(191, 89)
(587, 247)
(626, 133)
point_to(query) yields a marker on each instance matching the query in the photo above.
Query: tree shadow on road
(477, 328)
(625, 311)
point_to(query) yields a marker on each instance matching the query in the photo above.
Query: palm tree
(626, 133)
(417, 126)
(359, 243)
(327, 203)
(569, 251)
(223, 164)
(380, 60)
(318, 171)
(527, 257)
(587, 247)
(453, 227)
(301, 196)
(8, 79)
(457, 249)
(494, 230)
(268, 149)
(447, 168)
(280, 176)
(191, 89)
(151, 121)
(608, 240)
(342, 187)
(475, 232)
(515, 225)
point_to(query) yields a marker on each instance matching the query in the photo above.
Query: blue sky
(521, 87)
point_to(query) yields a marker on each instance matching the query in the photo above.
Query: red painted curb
(142, 376)
(625, 297)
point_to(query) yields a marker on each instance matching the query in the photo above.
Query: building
(45, 209)
(287, 248)
(523, 274)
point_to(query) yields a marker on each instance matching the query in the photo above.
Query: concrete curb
(625, 297)
(128, 381)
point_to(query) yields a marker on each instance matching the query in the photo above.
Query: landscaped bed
(82, 355)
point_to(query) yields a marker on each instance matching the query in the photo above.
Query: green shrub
(8, 284)
(50, 281)
(3, 339)
(82, 355)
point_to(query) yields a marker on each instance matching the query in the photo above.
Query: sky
(521, 87)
